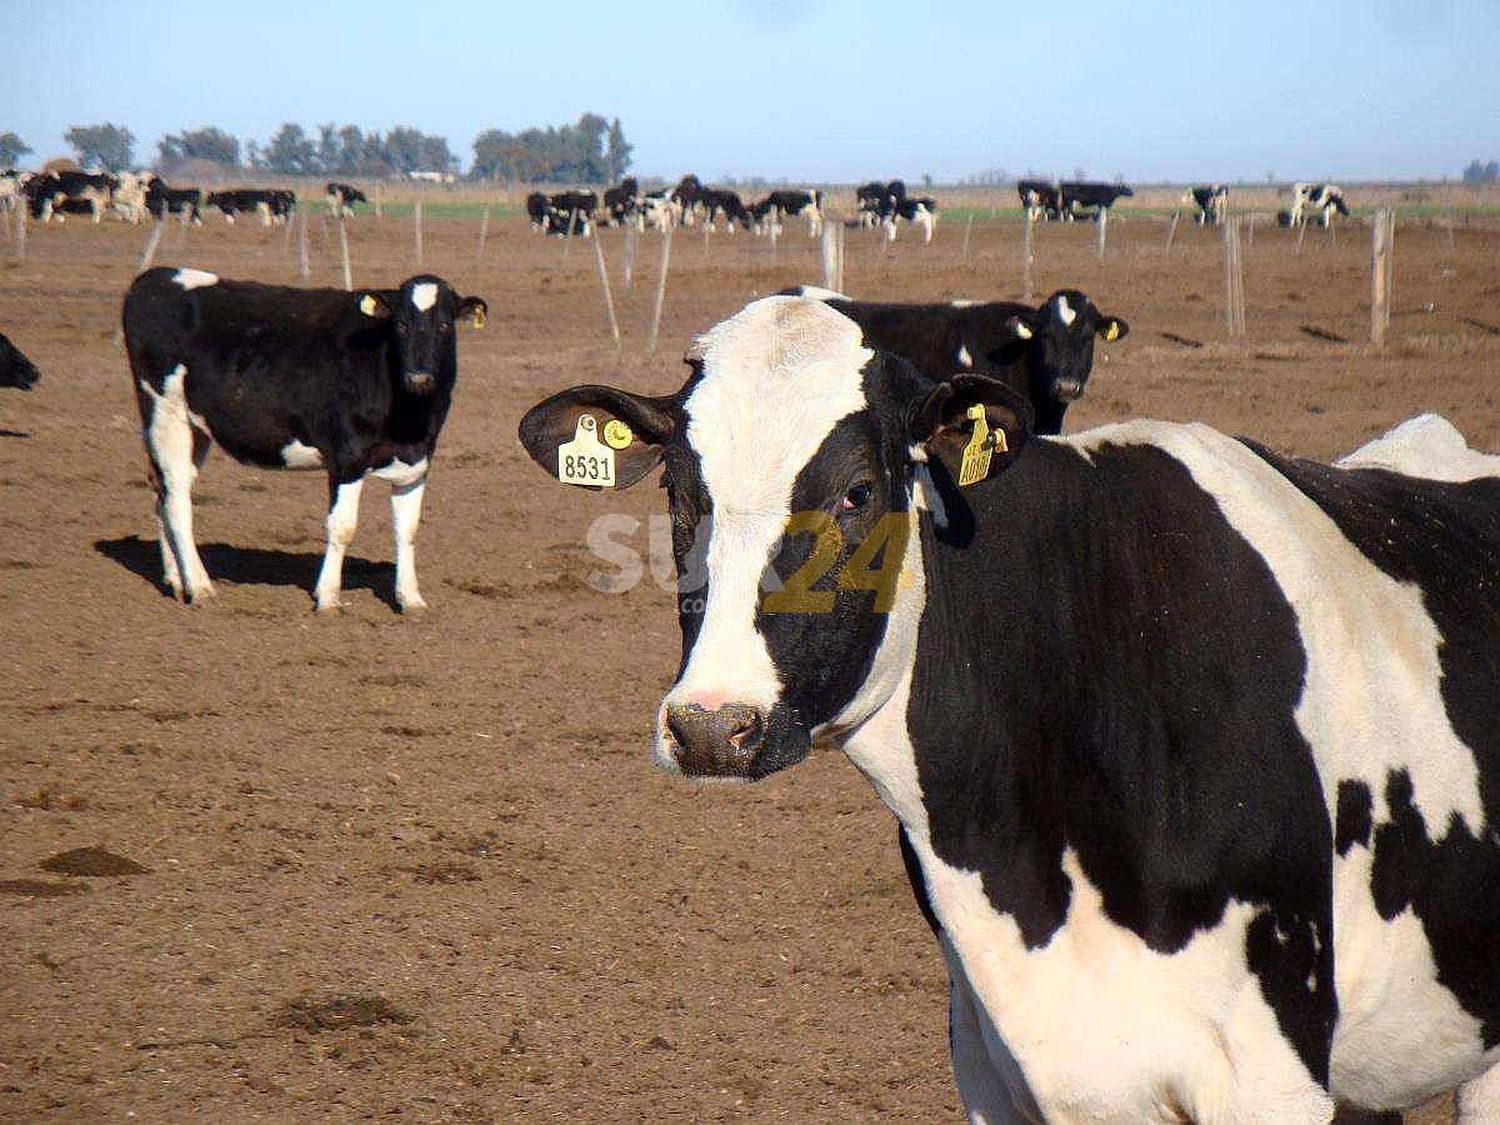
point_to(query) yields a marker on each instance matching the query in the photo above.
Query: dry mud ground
(423, 867)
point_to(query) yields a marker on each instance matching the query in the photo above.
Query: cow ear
(973, 422)
(473, 309)
(1020, 327)
(598, 437)
(1112, 328)
(374, 306)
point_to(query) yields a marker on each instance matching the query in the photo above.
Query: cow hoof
(329, 607)
(415, 608)
(201, 596)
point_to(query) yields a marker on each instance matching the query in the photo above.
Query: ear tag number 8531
(586, 460)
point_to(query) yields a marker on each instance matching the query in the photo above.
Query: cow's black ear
(976, 424)
(598, 437)
(1112, 328)
(473, 309)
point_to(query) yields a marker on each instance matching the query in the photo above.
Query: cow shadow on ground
(253, 566)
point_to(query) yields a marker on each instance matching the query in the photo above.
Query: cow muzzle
(1066, 389)
(420, 382)
(714, 743)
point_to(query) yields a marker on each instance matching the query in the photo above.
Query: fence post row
(1171, 232)
(1234, 279)
(484, 230)
(661, 289)
(609, 300)
(1027, 257)
(1382, 243)
(344, 252)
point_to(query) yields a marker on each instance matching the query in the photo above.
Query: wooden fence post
(1234, 279)
(379, 212)
(1027, 257)
(632, 236)
(1301, 235)
(1171, 232)
(303, 270)
(775, 215)
(19, 249)
(1382, 239)
(609, 300)
(1103, 232)
(416, 227)
(148, 255)
(831, 257)
(963, 254)
(661, 290)
(484, 230)
(344, 252)
(568, 234)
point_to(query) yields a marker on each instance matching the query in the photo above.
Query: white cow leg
(169, 572)
(406, 515)
(177, 451)
(1479, 1100)
(343, 518)
(986, 1099)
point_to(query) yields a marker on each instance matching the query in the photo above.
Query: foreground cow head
(421, 316)
(1063, 331)
(793, 456)
(15, 369)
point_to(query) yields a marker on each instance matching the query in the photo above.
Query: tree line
(591, 150)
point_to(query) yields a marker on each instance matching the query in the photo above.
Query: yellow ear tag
(981, 448)
(586, 461)
(479, 316)
(368, 305)
(1113, 331)
(617, 434)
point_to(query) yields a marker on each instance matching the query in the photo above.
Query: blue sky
(830, 90)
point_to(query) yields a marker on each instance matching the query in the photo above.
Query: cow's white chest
(295, 455)
(399, 474)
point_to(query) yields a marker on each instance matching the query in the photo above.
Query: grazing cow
(1045, 352)
(718, 204)
(874, 199)
(163, 200)
(1317, 199)
(1212, 203)
(1197, 746)
(685, 196)
(342, 198)
(1040, 199)
(806, 202)
(536, 210)
(273, 205)
(621, 203)
(357, 384)
(15, 369)
(577, 206)
(660, 210)
(55, 193)
(1079, 197)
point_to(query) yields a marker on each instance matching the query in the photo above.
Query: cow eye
(857, 498)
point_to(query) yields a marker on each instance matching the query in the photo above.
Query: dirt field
(423, 866)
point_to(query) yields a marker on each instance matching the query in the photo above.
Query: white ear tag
(367, 305)
(586, 460)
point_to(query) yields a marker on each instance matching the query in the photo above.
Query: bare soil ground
(384, 866)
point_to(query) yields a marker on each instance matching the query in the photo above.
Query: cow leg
(177, 449)
(343, 518)
(406, 515)
(1479, 1100)
(993, 1089)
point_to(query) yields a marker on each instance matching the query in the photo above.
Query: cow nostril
(747, 729)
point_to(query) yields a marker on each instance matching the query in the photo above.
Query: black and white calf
(1045, 352)
(15, 369)
(1321, 200)
(342, 198)
(622, 201)
(806, 202)
(1079, 197)
(273, 205)
(571, 208)
(875, 199)
(356, 384)
(162, 200)
(1040, 199)
(1197, 746)
(724, 206)
(1212, 203)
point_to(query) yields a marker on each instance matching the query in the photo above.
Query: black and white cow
(342, 197)
(660, 210)
(536, 210)
(1040, 199)
(575, 208)
(1079, 197)
(806, 202)
(1212, 203)
(273, 205)
(685, 196)
(162, 200)
(622, 202)
(719, 205)
(918, 210)
(1197, 746)
(356, 384)
(1045, 352)
(875, 199)
(15, 369)
(53, 194)
(1321, 200)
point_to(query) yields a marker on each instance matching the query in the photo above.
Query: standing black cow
(1212, 203)
(571, 207)
(1040, 199)
(1078, 197)
(357, 384)
(685, 196)
(52, 194)
(622, 201)
(273, 205)
(342, 197)
(806, 202)
(874, 199)
(162, 200)
(720, 204)
(15, 369)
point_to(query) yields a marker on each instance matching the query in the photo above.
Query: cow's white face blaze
(790, 458)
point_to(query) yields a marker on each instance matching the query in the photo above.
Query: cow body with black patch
(15, 369)
(1045, 352)
(571, 212)
(1212, 203)
(622, 201)
(921, 211)
(273, 205)
(806, 202)
(162, 200)
(1197, 747)
(1039, 198)
(356, 384)
(722, 206)
(685, 196)
(1079, 197)
(875, 199)
(1322, 200)
(55, 194)
(342, 197)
